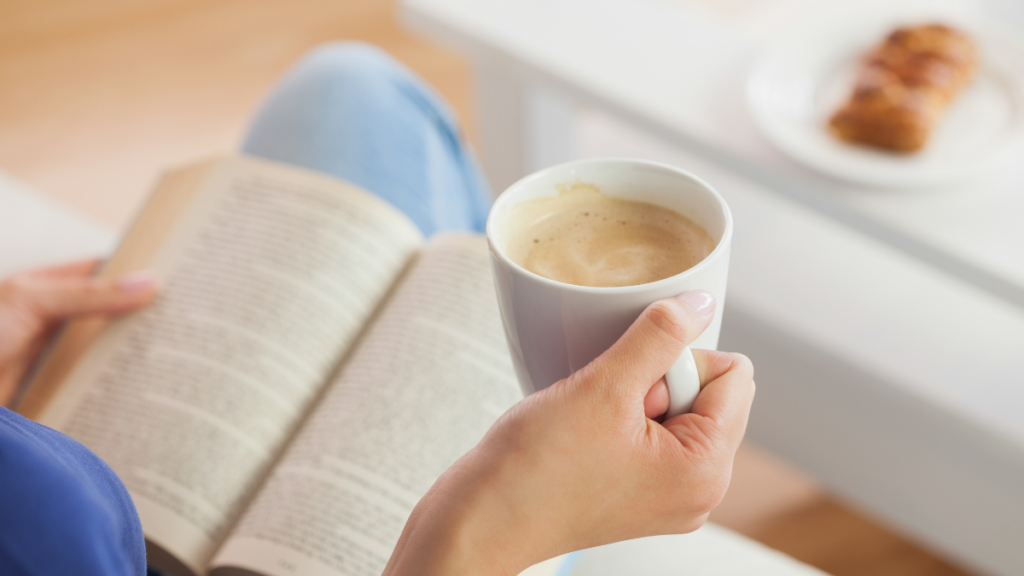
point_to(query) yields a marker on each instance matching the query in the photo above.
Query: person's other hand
(582, 464)
(33, 303)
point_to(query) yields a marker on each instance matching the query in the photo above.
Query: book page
(267, 278)
(423, 386)
(162, 213)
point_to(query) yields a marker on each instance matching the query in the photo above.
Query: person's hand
(582, 464)
(33, 303)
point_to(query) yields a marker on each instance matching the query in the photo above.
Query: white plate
(802, 80)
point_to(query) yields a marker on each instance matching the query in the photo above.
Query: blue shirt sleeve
(62, 509)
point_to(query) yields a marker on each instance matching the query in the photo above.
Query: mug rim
(525, 181)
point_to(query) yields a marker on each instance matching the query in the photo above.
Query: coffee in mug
(586, 238)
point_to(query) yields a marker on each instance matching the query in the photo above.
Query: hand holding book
(34, 302)
(579, 464)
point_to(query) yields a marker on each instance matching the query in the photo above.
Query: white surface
(805, 77)
(938, 338)
(36, 231)
(710, 551)
(679, 69)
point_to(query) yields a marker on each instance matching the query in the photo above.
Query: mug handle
(683, 384)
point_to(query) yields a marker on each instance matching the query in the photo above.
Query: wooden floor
(842, 542)
(98, 96)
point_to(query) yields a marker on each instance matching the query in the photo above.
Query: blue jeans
(350, 110)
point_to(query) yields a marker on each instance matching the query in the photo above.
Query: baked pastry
(903, 87)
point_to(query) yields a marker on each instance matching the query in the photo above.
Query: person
(582, 463)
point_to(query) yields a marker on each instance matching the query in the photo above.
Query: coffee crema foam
(587, 238)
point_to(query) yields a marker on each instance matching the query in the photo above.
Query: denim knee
(367, 73)
(350, 110)
(355, 64)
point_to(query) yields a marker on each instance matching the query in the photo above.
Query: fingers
(710, 365)
(79, 268)
(656, 401)
(726, 394)
(56, 296)
(653, 343)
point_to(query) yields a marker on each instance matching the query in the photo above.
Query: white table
(887, 330)
(38, 231)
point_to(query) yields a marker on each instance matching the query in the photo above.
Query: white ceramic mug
(554, 328)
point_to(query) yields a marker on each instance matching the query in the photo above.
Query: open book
(310, 367)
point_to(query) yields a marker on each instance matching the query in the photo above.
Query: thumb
(654, 342)
(56, 297)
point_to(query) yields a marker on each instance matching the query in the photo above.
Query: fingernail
(137, 282)
(702, 301)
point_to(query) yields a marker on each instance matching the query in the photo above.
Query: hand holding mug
(578, 464)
